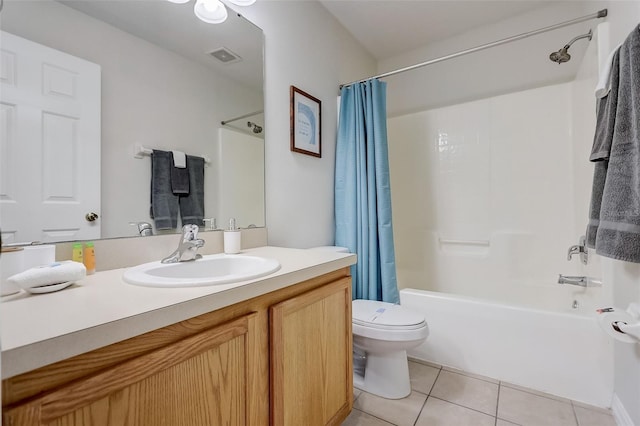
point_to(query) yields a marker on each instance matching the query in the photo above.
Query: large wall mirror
(114, 77)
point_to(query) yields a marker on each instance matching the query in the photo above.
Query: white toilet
(382, 334)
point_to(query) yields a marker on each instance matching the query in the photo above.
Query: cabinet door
(311, 357)
(201, 380)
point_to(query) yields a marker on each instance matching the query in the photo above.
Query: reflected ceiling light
(243, 2)
(213, 11)
(210, 11)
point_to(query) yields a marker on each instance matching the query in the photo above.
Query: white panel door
(49, 143)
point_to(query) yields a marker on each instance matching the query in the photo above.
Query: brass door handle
(90, 217)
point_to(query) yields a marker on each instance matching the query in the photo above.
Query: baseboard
(620, 414)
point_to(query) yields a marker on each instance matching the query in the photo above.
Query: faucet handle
(189, 232)
(144, 228)
(575, 249)
(580, 249)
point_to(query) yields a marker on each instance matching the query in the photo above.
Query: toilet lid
(370, 313)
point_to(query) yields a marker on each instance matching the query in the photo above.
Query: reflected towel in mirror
(164, 204)
(179, 173)
(192, 204)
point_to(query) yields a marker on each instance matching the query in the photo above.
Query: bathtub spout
(573, 280)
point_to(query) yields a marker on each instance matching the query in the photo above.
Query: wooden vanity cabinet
(281, 358)
(311, 357)
(200, 380)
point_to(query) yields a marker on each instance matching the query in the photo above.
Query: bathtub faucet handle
(580, 249)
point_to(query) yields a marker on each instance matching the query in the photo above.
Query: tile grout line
(575, 415)
(463, 406)
(539, 393)
(434, 382)
(379, 418)
(498, 402)
(475, 376)
(427, 398)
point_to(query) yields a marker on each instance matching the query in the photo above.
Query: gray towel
(179, 179)
(617, 220)
(164, 204)
(606, 115)
(192, 205)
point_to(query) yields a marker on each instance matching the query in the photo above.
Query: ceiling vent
(225, 56)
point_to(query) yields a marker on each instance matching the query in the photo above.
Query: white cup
(232, 242)
(11, 263)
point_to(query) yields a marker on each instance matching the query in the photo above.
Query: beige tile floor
(446, 397)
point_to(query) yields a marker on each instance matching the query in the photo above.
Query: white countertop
(101, 309)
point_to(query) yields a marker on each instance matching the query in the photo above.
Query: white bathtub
(564, 354)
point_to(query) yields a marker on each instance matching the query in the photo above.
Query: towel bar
(140, 151)
(465, 242)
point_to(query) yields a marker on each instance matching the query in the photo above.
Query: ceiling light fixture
(213, 11)
(210, 11)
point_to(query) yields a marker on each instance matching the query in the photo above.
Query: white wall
(305, 47)
(149, 95)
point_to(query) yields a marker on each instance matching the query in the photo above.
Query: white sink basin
(212, 269)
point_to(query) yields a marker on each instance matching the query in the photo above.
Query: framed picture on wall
(305, 123)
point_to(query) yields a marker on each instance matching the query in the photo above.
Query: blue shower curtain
(363, 193)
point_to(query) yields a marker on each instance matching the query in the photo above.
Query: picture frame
(306, 135)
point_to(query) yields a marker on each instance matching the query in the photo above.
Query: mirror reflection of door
(49, 144)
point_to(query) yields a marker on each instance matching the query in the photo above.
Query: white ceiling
(391, 27)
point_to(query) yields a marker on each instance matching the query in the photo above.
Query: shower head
(255, 128)
(562, 55)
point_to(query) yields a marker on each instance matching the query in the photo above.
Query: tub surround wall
(583, 125)
(469, 213)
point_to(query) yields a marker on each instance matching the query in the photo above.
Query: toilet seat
(386, 321)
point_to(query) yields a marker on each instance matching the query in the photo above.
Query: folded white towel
(179, 159)
(604, 86)
(54, 273)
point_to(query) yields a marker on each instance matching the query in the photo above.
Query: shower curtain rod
(600, 14)
(241, 117)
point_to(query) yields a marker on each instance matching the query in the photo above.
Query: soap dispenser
(232, 241)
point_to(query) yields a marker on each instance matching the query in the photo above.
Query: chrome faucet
(573, 280)
(579, 249)
(187, 247)
(144, 228)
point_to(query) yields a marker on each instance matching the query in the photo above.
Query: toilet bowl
(382, 334)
